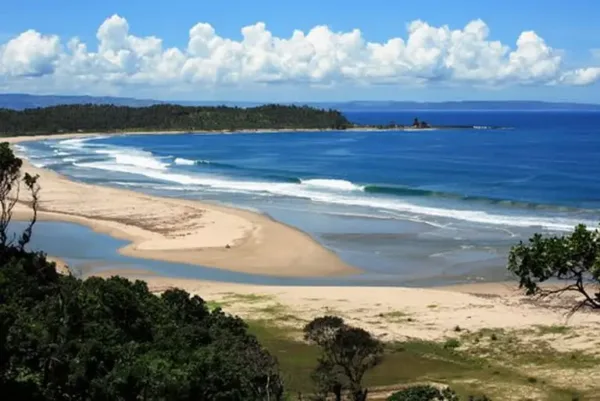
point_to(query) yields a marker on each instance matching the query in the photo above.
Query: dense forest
(108, 118)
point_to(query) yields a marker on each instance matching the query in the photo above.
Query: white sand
(183, 231)
(196, 233)
(392, 313)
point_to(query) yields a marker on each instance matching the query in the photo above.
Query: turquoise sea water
(413, 207)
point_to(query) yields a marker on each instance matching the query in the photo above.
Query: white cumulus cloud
(582, 76)
(428, 55)
(29, 54)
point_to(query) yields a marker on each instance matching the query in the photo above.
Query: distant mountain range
(18, 101)
(480, 105)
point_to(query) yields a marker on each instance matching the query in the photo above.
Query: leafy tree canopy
(347, 354)
(108, 118)
(573, 259)
(62, 338)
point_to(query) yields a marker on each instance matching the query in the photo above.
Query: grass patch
(291, 318)
(476, 371)
(212, 305)
(394, 315)
(524, 348)
(451, 343)
(248, 298)
(406, 363)
(555, 329)
(274, 310)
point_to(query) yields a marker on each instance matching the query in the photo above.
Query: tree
(574, 259)
(347, 354)
(10, 185)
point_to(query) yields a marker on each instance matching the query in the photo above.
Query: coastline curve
(183, 231)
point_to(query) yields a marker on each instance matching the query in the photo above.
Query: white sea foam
(184, 162)
(120, 155)
(315, 193)
(328, 191)
(133, 157)
(41, 163)
(76, 143)
(340, 185)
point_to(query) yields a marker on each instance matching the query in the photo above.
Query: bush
(430, 393)
(423, 393)
(62, 338)
(451, 343)
(347, 353)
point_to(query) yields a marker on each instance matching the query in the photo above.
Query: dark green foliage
(426, 393)
(108, 118)
(347, 354)
(574, 258)
(62, 338)
(451, 343)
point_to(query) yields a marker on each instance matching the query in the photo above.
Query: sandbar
(182, 231)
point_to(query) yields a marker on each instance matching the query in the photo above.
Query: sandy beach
(196, 233)
(71, 135)
(396, 313)
(491, 320)
(182, 231)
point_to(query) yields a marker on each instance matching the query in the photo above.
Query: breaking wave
(182, 174)
(184, 162)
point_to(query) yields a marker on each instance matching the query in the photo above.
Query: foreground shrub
(62, 338)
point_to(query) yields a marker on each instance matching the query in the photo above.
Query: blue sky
(559, 62)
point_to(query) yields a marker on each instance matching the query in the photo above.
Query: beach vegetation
(553, 329)
(347, 353)
(12, 182)
(394, 315)
(451, 343)
(424, 393)
(572, 261)
(62, 338)
(165, 117)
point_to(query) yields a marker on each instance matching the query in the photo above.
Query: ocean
(408, 207)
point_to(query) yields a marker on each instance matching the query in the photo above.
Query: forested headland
(167, 117)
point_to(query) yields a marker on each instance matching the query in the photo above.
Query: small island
(107, 118)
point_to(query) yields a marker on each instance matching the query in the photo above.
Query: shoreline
(260, 245)
(73, 135)
(392, 313)
(182, 231)
(69, 135)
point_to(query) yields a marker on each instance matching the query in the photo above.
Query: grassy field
(490, 362)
